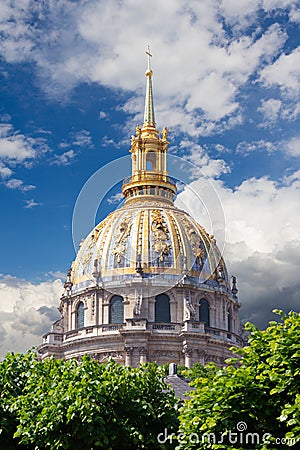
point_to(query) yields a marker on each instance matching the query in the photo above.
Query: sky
(72, 82)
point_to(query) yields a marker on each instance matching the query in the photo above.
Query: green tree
(256, 395)
(15, 370)
(91, 405)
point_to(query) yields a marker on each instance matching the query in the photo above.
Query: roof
(180, 385)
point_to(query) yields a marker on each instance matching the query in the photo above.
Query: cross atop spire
(149, 118)
(149, 56)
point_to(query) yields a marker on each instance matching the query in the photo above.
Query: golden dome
(151, 239)
(148, 238)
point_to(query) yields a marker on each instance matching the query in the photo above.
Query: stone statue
(189, 309)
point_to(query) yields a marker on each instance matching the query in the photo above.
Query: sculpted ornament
(121, 237)
(160, 234)
(195, 241)
(163, 354)
(196, 245)
(164, 133)
(137, 310)
(104, 357)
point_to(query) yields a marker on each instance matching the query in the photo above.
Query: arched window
(162, 308)
(204, 312)
(116, 309)
(151, 158)
(229, 318)
(80, 315)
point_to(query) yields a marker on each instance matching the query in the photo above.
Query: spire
(149, 177)
(149, 118)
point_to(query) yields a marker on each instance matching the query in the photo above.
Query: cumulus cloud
(91, 42)
(17, 149)
(201, 163)
(284, 72)
(31, 204)
(5, 171)
(270, 110)
(290, 147)
(26, 311)
(244, 148)
(14, 146)
(293, 146)
(103, 115)
(262, 240)
(64, 159)
(115, 199)
(16, 183)
(82, 139)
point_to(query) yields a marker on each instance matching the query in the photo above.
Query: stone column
(143, 355)
(69, 315)
(128, 356)
(201, 356)
(151, 309)
(173, 310)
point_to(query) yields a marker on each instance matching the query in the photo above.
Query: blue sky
(226, 83)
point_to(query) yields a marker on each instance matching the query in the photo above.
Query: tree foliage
(65, 405)
(254, 402)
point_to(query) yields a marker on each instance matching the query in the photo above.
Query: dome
(148, 282)
(152, 239)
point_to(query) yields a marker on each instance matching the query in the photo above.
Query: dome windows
(80, 315)
(229, 320)
(116, 309)
(204, 312)
(162, 308)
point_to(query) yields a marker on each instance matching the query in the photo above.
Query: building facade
(148, 283)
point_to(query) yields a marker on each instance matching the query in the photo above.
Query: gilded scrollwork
(87, 246)
(87, 251)
(195, 241)
(160, 234)
(121, 237)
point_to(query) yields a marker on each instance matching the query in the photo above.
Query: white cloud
(294, 15)
(91, 42)
(244, 148)
(270, 110)
(82, 139)
(14, 145)
(16, 183)
(31, 203)
(291, 109)
(270, 5)
(102, 115)
(239, 14)
(18, 149)
(26, 311)
(284, 72)
(262, 239)
(57, 274)
(202, 163)
(215, 96)
(64, 159)
(5, 172)
(290, 147)
(293, 146)
(115, 199)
